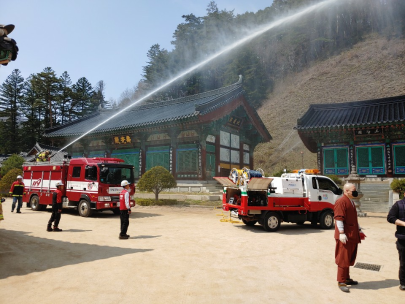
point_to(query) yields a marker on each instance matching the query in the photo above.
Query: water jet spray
(252, 35)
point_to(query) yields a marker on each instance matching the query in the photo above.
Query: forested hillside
(348, 50)
(374, 68)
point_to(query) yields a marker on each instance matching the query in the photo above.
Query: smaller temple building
(367, 134)
(195, 137)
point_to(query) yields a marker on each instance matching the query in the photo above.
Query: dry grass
(372, 69)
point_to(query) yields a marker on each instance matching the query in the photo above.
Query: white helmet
(124, 183)
(58, 183)
(19, 176)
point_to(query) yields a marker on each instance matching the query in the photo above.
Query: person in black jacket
(397, 216)
(56, 208)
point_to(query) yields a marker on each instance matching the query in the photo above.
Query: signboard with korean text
(234, 121)
(122, 139)
(368, 131)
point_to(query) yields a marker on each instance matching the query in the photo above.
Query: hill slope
(374, 68)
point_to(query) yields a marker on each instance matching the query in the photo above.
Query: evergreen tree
(46, 86)
(11, 94)
(83, 97)
(33, 109)
(99, 98)
(65, 97)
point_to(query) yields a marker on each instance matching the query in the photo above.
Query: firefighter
(56, 208)
(125, 210)
(43, 156)
(1, 209)
(17, 191)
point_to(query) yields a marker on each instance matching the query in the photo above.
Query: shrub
(398, 185)
(155, 180)
(14, 161)
(152, 202)
(8, 179)
(280, 172)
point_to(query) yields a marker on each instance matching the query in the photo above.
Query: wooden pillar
(173, 133)
(107, 140)
(241, 164)
(142, 155)
(85, 144)
(217, 156)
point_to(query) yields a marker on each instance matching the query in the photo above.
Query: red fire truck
(91, 184)
(294, 197)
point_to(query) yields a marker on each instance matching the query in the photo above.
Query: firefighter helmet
(19, 176)
(124, 183)
(58, 183)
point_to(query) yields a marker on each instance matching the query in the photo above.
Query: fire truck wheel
(249, 223)
(271, 222)
(84, 208)
(34, 202)
(326, 220)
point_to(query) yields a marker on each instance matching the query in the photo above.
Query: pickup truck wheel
(249, 223)
(326, 220)
(271, 222)
(84, 208)
(34, 202)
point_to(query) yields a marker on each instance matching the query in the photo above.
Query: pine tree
(65, 97)
(46, 86)
(99, 98)
(83, 97)
(11, 94)
(33, 109)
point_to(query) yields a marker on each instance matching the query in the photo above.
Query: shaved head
(348, 186)
(348, 189)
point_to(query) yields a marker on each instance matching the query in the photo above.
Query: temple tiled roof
(144, 115)
(353, 114)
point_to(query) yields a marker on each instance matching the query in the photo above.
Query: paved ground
(185, 255)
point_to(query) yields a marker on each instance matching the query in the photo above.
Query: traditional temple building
(194, 137)
(367, 134)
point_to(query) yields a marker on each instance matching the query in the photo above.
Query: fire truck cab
(90, 184)
(294, 197)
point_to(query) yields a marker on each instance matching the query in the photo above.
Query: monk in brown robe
(347, 235)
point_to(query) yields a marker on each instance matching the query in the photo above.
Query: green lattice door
(158, 156)
(370, 160)
(187, 161)
(130, 157)
(210, 161)
(399, 159)
(336, 161)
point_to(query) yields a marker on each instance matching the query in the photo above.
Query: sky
(99, 39)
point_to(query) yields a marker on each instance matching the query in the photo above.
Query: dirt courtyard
(185, 255)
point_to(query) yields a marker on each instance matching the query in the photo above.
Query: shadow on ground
(145, 237)
(21, 253)
(99, 214)
(374, 285)
(288, 229)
